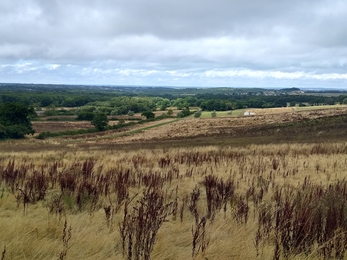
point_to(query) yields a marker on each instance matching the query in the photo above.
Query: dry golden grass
(198, 127)
(277, 110)
(173, 129)
(38, 234)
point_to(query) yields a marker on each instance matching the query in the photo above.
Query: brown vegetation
(56, 126)
(79, 199)
(192, 127)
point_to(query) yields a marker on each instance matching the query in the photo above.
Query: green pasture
(237, 112)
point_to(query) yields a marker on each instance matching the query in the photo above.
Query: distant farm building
(249, 113)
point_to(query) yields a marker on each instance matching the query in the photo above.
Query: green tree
(14, 120)
(100, 121)
(3, 134)
(114, 112)
(148, 114)
(213, 114)
(180, 103)
(31, 112)
(185, 112)
(163, 103)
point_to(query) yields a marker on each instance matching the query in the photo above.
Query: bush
(85, 115)
(16, 131)
(170, 112)
(131, 113)
(197, 114)
(64, 112)
(162, 116)
(185, 112)
(51, 112)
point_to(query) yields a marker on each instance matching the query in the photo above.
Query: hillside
(268, 126)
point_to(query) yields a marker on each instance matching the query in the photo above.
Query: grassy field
(266, 187)
(211, 199)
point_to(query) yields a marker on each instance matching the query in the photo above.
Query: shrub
(131, 113)
(170, 112)
(148, 114)
(50, 112)
(85, 115)
(197, 114)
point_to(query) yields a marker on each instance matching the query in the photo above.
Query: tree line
(116, 104)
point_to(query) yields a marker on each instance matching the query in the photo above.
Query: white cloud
(53, 66)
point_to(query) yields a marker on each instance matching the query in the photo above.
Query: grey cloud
(164, 19)
(178, 36)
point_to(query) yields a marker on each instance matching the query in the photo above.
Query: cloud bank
(196, 43)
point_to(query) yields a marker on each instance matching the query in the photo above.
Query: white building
(249, 113)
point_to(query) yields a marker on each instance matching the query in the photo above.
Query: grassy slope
(38, 235)
(328, 129)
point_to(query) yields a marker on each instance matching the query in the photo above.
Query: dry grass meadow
(174, 190)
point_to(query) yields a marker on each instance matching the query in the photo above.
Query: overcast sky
(202, 43)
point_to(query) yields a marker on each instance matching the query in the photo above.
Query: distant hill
(290, 89)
